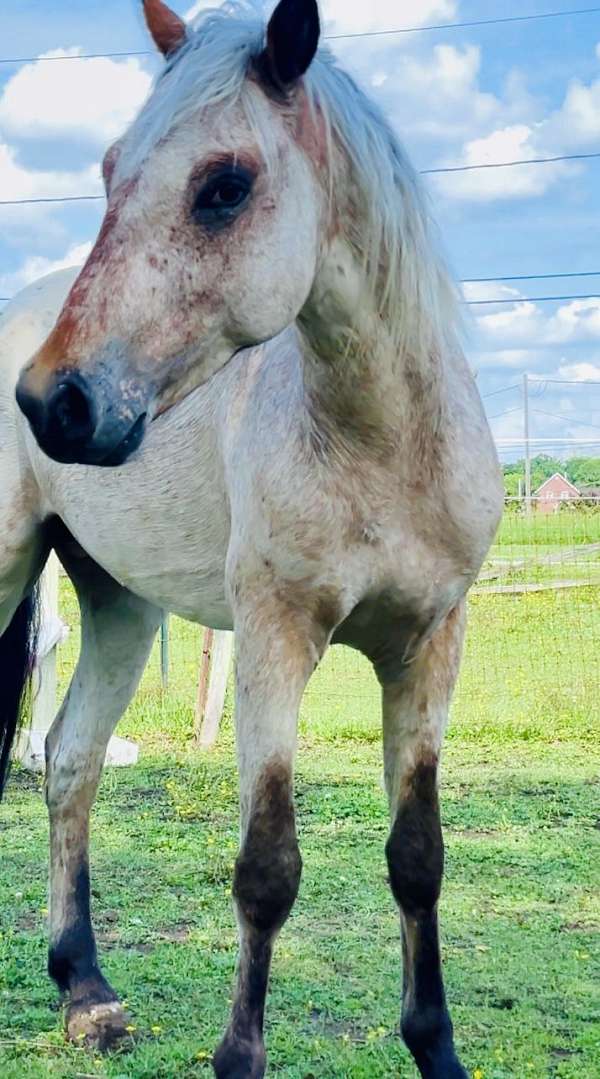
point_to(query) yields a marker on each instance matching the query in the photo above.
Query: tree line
(582, 471)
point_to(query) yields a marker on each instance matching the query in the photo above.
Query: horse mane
(398, 242)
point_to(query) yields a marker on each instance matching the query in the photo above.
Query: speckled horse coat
(250, 407)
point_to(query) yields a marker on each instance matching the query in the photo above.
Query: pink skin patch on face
(75, 325)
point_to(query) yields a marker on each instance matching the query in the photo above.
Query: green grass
(520, 912)
(567, 527)
(545, 548)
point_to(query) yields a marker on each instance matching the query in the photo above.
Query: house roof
(558, 476)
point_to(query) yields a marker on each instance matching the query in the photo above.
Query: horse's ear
(292, 41)
(168, 30)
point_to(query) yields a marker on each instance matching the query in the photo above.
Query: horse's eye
(222, 197)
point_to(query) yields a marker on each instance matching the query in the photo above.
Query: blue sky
(455, 95)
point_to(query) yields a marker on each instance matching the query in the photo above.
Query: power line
(509, 164)
(566, 381)
(331, 37)
(552, 441)
(504, 389)
(507, 412)
(535, 299)
(77, 56)
(466, 25)
(423, 172)
(529, 277)
(56, 198)
(567, 419)
(508, 445)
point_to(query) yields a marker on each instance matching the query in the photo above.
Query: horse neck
(367, 378)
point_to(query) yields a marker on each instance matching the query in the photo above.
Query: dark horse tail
(17, 653)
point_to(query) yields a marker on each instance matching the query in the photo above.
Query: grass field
(545, 548)
(521, 906)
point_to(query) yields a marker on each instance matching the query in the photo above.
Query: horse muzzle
(83, 420)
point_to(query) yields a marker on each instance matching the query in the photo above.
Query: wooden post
(203, 680)
(212, 685)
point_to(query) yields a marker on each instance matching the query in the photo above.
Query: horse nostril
(32, 407)
(71, 412)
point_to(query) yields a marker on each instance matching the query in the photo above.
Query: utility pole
(527, 446)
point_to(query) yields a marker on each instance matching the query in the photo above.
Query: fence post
(212, 685)
(30, 747)
(164, 651)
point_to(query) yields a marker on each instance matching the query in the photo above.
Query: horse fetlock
(429, 1036)
(415, 848)
(265, 888)
(268, 869)
(240, 1056)
(97, 1026)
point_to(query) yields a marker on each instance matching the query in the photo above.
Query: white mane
(403, 266)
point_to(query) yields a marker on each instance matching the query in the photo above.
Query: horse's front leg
(276, 652)
(415, 713)
(117, 630)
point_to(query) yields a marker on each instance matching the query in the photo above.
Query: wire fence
(532, 657)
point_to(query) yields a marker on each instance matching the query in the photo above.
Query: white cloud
(576, 125)
(18, 182)
(94, 98)
(38, 265)
(513, 325)
(573, 127)
(513, 143)
(436, 96)
(524, 324)
(575, 321)
(519, 358)
(342, 17)
(195, 9)
(580, 372)
(489, 290)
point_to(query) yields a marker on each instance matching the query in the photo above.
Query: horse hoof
(240, 1058)
(448, 1067)
(97, 1026)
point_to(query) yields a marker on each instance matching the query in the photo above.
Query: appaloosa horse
(262, 352)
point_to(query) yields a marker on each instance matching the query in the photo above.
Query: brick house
(553, 492)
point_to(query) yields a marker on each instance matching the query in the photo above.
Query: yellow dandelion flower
(156, 1029)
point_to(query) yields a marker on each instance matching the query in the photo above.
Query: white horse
(265, 320)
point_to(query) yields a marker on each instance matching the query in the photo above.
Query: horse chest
(160, 526)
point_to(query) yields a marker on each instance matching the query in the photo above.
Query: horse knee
(269, 866)
(415, 848)
(72, 772)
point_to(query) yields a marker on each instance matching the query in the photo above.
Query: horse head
(215, 223)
